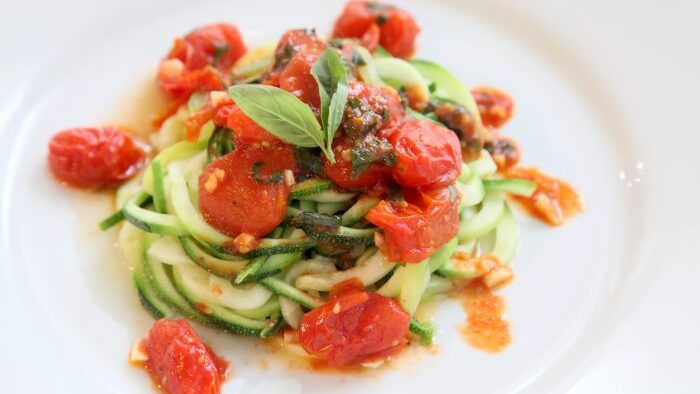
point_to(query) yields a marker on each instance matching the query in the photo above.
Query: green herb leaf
(333, 87)
(271, 179)
(220, 49)
(336, 110)
(279, 112)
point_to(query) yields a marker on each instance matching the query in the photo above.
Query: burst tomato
(496, 107)
(354, 327)
(198, 61)
(93, 157)
(243, 127)
(416, 227)
(383, 101)
(295, 41)
(179, 362)
(244, 191)
(427, 155)
(374, 178)
(296, 78)
(397, 29)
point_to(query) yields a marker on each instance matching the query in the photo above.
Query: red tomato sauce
(485, 328)
(553, 202)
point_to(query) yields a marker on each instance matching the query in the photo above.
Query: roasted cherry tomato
(245, 190)
(296, 78)
(243, 127)
(94, 157)
(179, 362)
(199, 61)
(427, 154)
(554, 201)
(354, 327)
(397, 28)
(374, 178)
(370, 38)
(495, 106)
(295, 41)
(384, 102)
(416, 227)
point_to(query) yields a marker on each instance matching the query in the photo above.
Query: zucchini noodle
(184, 266)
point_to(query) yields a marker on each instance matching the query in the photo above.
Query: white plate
(607, 99)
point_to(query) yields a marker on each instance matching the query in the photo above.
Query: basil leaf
(328, 72)
(279, 112)
(333, 88)
(336, 110)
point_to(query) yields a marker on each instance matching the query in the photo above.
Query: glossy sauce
(485, 328)
(553, 202)
(140, 108)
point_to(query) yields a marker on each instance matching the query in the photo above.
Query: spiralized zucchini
(182, 265)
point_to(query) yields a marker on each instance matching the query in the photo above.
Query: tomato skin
(204, 55)
(233, 201)
(398, 34)
(295, 41)
(354, 327)
(243, 127)
(370, 38)
(496, 107)
(427, 155)
(296, 78)
(397, 29)
(355, 20)
(179, 362)
(414, 230)
(204, 80)
(93, 157)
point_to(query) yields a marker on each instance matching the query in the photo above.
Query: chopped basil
(370, 151)
(271, 179)
(220, 49)
(309, 160)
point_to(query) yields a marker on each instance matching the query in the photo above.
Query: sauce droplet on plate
(485, 328)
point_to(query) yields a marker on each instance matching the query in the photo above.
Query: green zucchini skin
(217, 316)
(309, 187)
(112, 220)
(158, 275)
(328, 232)
(284, 289)
(270, 247)
(518, 187)
(148, 295)
(150, 221)
(224, 268)
(424, 331)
